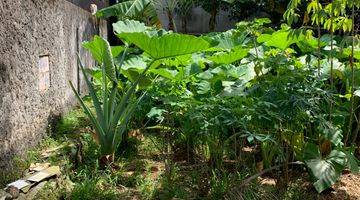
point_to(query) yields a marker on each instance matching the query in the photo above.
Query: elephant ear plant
(113, 108)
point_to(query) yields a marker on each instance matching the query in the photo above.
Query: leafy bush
(285, 94)
(254, 86)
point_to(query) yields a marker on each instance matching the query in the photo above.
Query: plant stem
(214, 11)
(235, 149)
(318, 42)
(356, 131)
(352, 100)
(331, 59)
(319, 50)
(171, 25)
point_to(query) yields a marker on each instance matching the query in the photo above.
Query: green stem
(331, 59)
(352, 81)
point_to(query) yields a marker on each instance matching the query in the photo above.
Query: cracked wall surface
(30, 29)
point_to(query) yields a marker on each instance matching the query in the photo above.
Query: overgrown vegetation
(180, 116)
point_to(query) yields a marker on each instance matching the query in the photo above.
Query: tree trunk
(184, 24)
(171, 25)
(212, 22)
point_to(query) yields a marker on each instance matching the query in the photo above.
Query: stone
(32, 193)
(4, 195)
(13, 191)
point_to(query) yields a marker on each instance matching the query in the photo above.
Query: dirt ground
(348, 188)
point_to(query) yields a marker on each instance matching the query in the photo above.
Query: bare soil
(348, 188)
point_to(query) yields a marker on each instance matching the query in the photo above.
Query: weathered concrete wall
(30, 29)
(198, 21)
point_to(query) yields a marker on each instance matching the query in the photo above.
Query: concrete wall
(198, 21)
(33, 32)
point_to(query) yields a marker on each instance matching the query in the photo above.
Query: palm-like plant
(113, 108)
(142, 10)
(183, 9)
(168, 7)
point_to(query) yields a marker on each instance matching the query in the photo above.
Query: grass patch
(140, 171)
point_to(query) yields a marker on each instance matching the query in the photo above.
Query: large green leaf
(325, 170)
(129, 26)
(226, 40)
(117, 50)
(132, 69)
(166, 73)
(176, 61)
(133, 9)
(203, 87)
(337, 67)
(229, 57)
(103, 54)
(310, 44)
(352, 163)
(136, 62)
(281, 39)
(166, 46)
(348, 52)
(331, 133)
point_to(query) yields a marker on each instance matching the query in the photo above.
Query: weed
(72, 122)
(90, 189)
(147, 187)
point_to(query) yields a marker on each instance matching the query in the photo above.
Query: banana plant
(133, 9)
(168, 7)
(183, 9)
